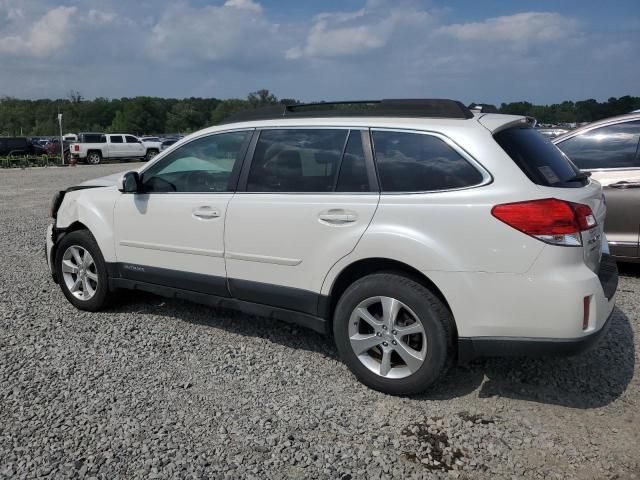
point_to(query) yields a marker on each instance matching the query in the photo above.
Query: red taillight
(550, 220)
(76, 148)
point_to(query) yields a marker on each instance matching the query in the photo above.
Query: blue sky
(483, 51)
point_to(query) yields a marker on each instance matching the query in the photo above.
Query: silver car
(609, 150)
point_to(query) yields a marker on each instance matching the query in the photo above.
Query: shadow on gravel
(233, 321)
(590, 380)
(629, 269)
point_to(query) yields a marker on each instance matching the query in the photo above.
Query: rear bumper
(490, 346)
(470, 348)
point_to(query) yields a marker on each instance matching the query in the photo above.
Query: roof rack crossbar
(412, 108)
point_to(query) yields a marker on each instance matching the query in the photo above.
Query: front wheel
(82, 271)
(150, 154)
(393, 333)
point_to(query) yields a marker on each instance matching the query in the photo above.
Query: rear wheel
(82, 271)
(94, 158)
(393, 333)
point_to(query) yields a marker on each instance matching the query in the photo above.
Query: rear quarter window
(539, 159)
(417, 162)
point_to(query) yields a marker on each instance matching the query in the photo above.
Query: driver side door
(172, 234)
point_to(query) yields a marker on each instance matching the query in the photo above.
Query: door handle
(624, 185)
(206, 214)
(338, 216)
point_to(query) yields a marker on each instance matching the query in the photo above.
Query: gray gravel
(157, 388)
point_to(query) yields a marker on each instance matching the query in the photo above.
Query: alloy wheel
(79, 272)
(387, 337)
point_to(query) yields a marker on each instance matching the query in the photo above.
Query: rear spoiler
(496, 123)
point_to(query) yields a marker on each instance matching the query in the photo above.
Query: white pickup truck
(94, 147)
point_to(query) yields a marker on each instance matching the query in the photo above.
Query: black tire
(434, 316)
(150, 154)
(94, 158)
(102, 296)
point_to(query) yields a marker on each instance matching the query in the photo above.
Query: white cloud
(338, 34)
(527, 27)
(47, 35)
(96, 17)
(234, 31)
(244, 5)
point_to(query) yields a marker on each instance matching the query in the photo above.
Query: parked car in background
(53, 148)
(15, 146)
(95, 147)
(608, 149)
(153, 146)
(167, 143)
(413, 231)
(552, 132)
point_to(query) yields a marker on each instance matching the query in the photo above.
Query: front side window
(296, 160)
(203, 165)
(415, 162)
(131, 139)
(613, 146)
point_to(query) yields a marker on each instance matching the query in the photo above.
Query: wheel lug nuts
(384, 327)
(394, 342)
(393, 332)
(379, 334)
(385, 344)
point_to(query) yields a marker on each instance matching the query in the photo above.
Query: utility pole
(61, 141)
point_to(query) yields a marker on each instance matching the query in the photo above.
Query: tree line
(146, 115)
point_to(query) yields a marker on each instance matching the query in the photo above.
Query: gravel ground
(157, 388)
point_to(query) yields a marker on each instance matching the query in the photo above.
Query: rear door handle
(206, 213)
(625, 185)
(338, 216)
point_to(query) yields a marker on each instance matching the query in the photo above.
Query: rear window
(539, 159)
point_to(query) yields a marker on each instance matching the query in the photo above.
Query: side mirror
(131, 183)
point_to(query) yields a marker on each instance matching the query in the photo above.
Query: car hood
(107, 181)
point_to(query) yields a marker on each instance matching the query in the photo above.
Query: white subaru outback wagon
(415, 232)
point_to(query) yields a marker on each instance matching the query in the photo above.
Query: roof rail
(412, 108)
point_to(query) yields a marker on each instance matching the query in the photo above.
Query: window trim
(235, 172)
(587, 129)
(487, 178)
(366, 146)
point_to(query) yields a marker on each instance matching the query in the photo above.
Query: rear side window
(93, 138)
(539, 159)
(296, 160)
(415, 162)
(353, 169)
(115, 139)
(613, 146)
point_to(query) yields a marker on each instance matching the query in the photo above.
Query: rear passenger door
(303, 202)
(116, 146)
